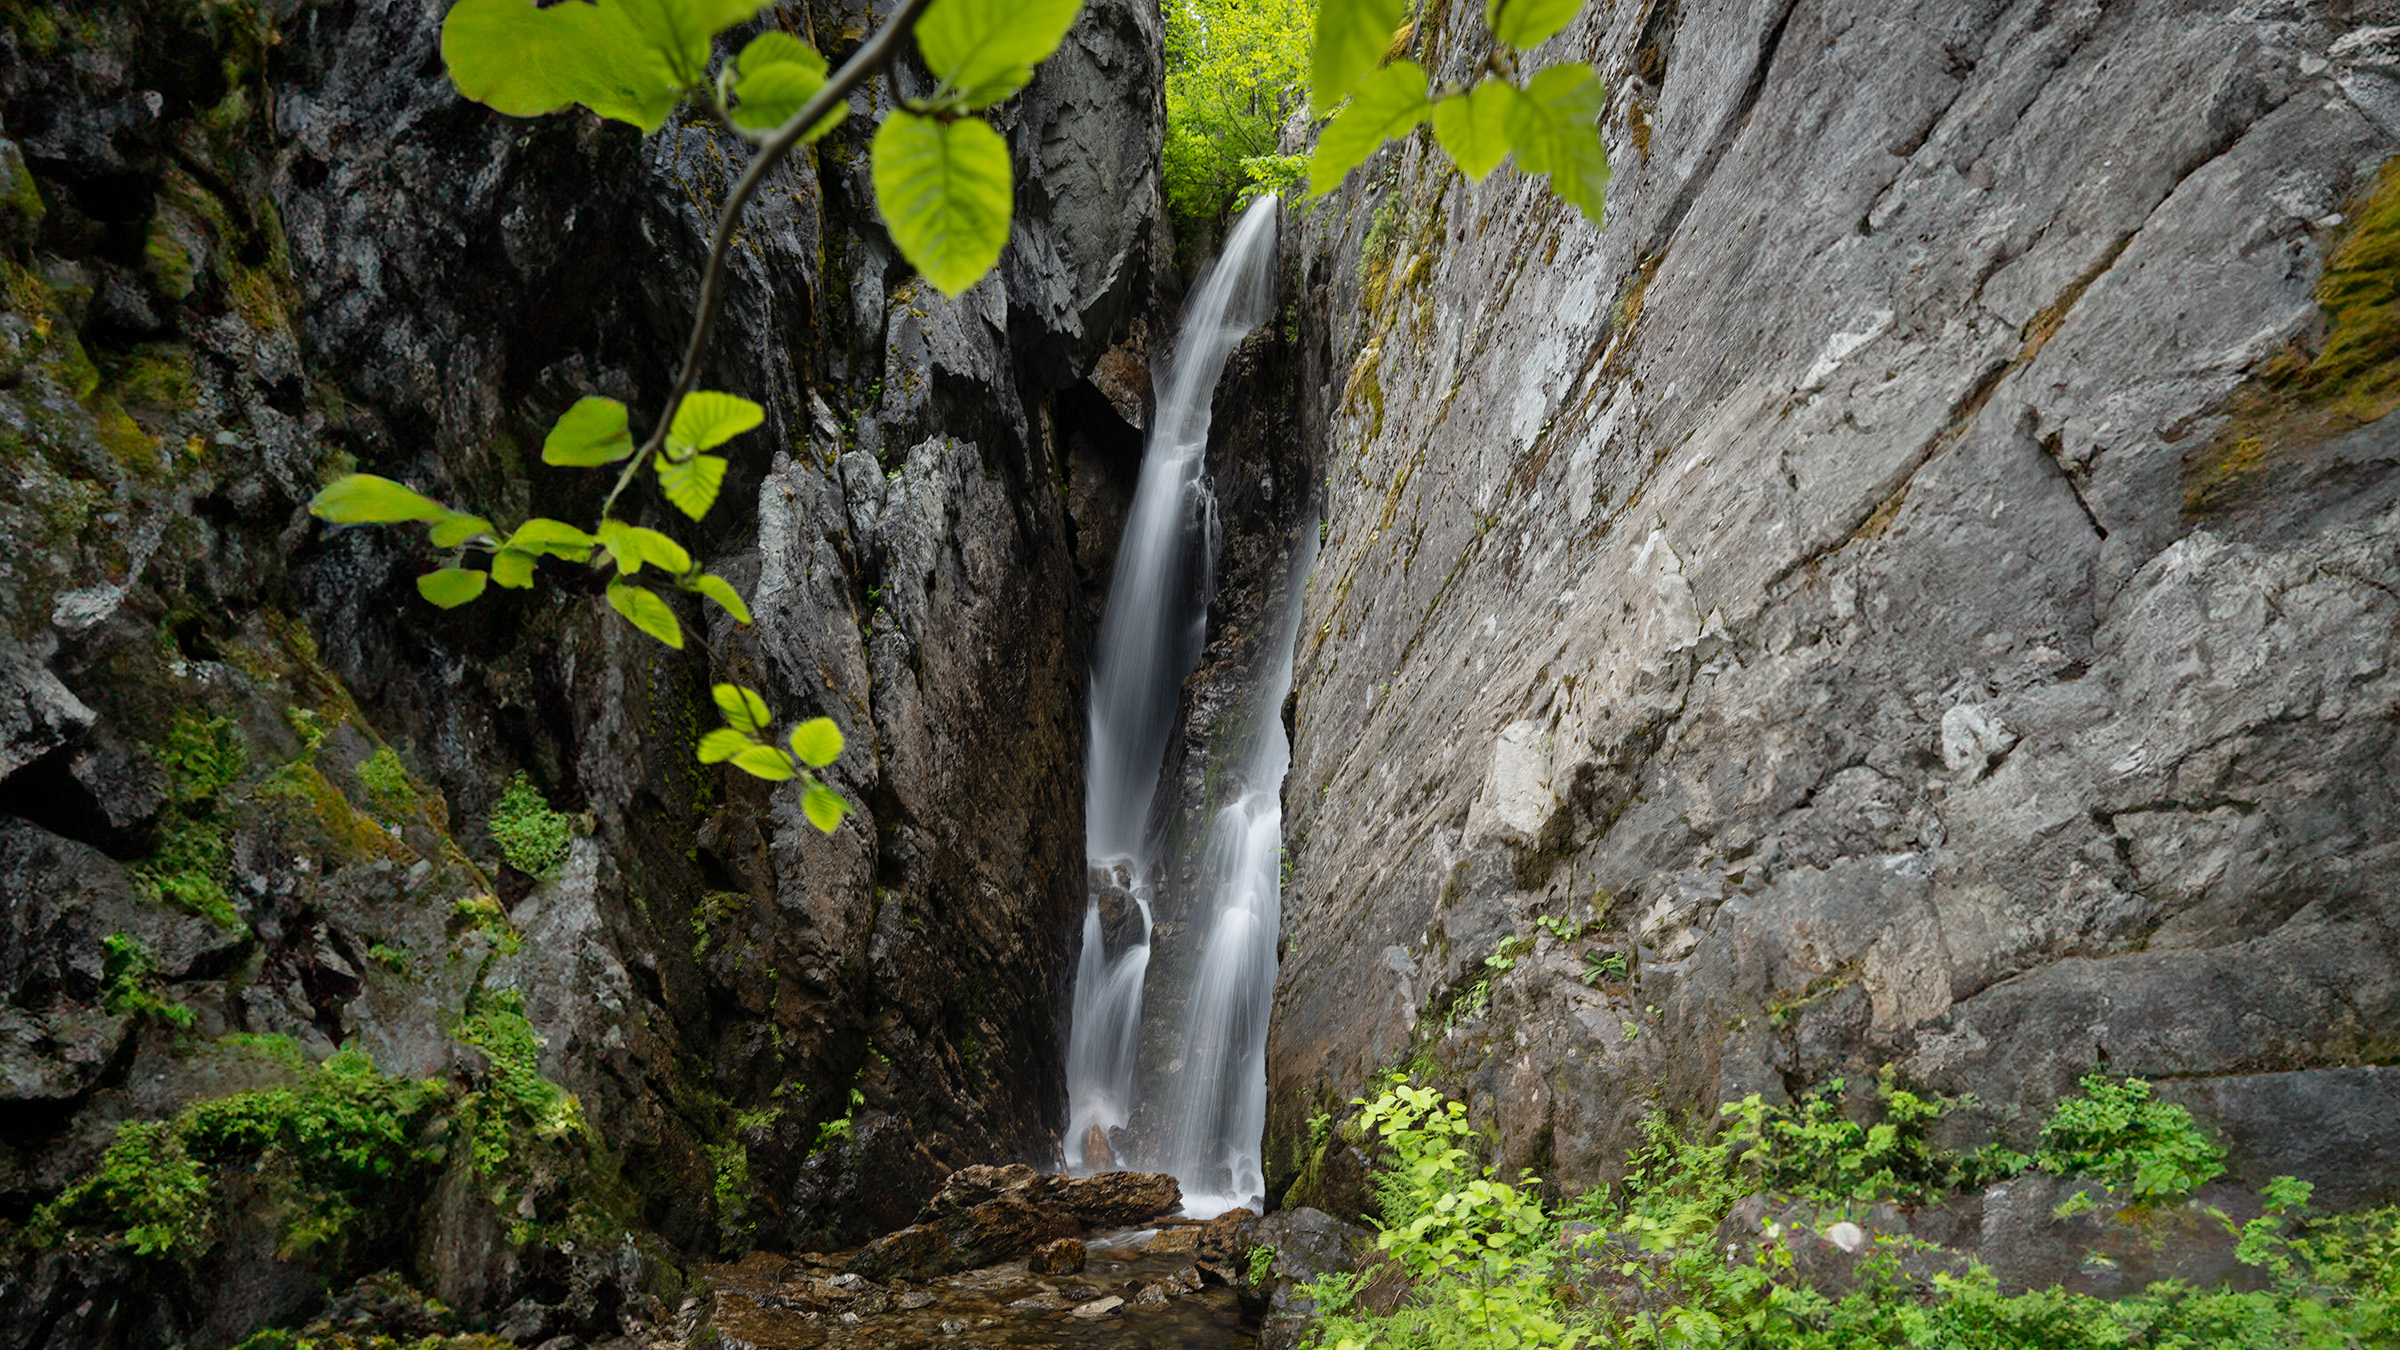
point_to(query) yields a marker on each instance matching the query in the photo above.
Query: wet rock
(1064, 1256)
(1101, 1307)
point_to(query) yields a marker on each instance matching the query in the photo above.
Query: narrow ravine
(1151, 635)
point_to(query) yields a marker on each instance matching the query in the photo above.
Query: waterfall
(1220, 1098)
(1150, 637)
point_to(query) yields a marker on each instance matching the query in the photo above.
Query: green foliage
(518, 1109)
(945, 190)
(1258, 1265)
(591, 433)
(1549, 118)
(1645, 1264)
(343, 1143)
(203, 759)
(2117, 1134)
(816, 743)
(387, 780)
(1235, 70)
(631, 60)
(1815, 1148)
(129, 985)
(531, 836)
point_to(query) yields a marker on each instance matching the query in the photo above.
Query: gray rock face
(236, 285)
(1828, 582)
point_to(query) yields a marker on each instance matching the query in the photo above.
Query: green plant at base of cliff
(1815, 1148)
(1646, 1265)
(2118, 1134)
(129, 984)
(531, 836)
(386, 778)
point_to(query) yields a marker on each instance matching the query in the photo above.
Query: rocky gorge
(1915, 592)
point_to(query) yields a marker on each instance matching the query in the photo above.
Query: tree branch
(864, 63)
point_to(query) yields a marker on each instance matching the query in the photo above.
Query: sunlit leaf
(817, 741)
(985, 50)
(364, 499)
(457, 527)
(591, 433)
(644, 610)
(1352, 37)
(720, 590)
(1527, 23)
(744, 710)
(451, 587)
(1474, 126)
(764, 761)
(525, 61)
(1390, 102)
(679, 30)
(634, 545)
(824, 807)
(778, 74)
(692, 485)
(555, 537)
(513, 568)
(723, 744)
(1554, 128)
(707, 419)
(945, 191)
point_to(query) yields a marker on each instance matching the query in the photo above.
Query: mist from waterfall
(1150, 638)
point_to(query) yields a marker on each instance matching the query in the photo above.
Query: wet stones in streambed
(985, 1215)
(1128, 1296)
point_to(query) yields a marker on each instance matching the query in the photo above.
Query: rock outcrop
(249, 247)
(984, 1215)
(1919, 585)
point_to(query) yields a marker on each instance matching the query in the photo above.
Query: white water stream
(1150, 636)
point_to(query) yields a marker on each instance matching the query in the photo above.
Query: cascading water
(1150, 637)
(1220, 1101)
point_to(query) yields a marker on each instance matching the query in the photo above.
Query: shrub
(129, 987)
(2117, 1134)
(1235, 71)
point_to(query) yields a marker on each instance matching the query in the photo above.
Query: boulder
(1065, 1256)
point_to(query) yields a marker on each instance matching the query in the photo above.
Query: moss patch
(2315, 390)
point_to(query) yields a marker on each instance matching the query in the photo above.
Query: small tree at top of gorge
(945, 191)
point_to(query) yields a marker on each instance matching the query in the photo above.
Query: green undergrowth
(1468, 1259)
(129, 984)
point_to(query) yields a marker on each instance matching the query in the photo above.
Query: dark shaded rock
(1064, 1256)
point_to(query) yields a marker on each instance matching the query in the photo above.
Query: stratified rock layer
(1910, 584)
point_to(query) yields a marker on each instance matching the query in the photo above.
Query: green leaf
(632, 545)
(824, 807)
(1352, 37)
(1553, 127)
(527, 61)
(744, 710)
(591, 433)
(679, 30)
(778, 74)
(817, 741)
(1390, 102)
(764, 761)
(457, 527)
(555, 537)
(723, 744)
(707, 419)
(644, 610)
(1474, 126)
(945, 192)
(513, 568)
(720, 590)
(364, 499)
(985, 50)
(451, 587)
(692, 485)
(1528, 23)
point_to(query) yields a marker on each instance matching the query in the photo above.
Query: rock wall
(1920, 583)
(248, 248)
